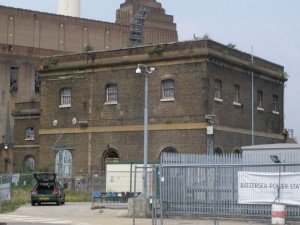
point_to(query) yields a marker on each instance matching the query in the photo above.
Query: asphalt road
(82, 214)
(69, 214)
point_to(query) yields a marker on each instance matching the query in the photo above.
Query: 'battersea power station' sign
(266, 188)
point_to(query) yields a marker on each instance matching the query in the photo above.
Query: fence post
(134, 191)
(1, 195)
(161, 180)
(154, 195)
(216, 195)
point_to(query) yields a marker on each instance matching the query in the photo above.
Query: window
(29, 134)
(218, 152)
(260, 100)
(65, 97)
(237, 152)
(236, 98)
(168, 150)
(111, 94)
(168, 89)
(111, 155)
(29, 164)
(63, 164)
(37, 84)
(275, 104)
(14, 73)
(218, 86)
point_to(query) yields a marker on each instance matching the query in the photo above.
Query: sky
(270, 27)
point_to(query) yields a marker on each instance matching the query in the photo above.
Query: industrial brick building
(27, 35)
(199, 100)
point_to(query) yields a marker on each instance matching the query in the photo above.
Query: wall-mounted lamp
(6, 146)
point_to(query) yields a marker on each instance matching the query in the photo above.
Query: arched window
(168, 89)
(65, 97)
(110, 156)
(168, 150)
(111, 94)
(218, 151)
(29, 164)
(237, 151)
(63, 164)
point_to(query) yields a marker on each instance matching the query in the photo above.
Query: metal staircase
(136, 26)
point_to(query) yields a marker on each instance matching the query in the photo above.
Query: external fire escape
(136, 26)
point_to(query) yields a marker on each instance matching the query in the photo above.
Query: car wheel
(33, 203)
(58, 202)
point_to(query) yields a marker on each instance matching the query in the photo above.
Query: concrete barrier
(142, 208)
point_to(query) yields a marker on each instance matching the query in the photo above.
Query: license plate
(44, 198)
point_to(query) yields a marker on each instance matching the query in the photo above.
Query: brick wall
(70, 34)
(27, 116)
(179, 124)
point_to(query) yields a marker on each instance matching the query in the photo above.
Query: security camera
(210, 117)
(138, 71)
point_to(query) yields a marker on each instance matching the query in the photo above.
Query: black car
(47, 189)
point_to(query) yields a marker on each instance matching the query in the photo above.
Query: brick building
(27, 35)
(92, 105)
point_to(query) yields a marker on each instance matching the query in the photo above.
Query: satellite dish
(74, 121)
(54, 123)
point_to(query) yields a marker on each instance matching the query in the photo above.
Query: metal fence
(198, 189)
(17, 179)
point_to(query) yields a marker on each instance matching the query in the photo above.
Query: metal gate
(208, 194)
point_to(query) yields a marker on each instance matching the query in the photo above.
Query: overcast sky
(272, 27)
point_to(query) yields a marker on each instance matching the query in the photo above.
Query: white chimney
(69, 8)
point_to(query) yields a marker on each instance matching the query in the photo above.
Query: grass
(78, 196)
(21, 196)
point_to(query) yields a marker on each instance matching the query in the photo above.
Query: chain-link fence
(17, 179)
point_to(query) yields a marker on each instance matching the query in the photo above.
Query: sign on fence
(15, 178)
(4, 192)
(265, 188)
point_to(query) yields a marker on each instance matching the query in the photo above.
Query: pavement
(118, 214)
(104, 214)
